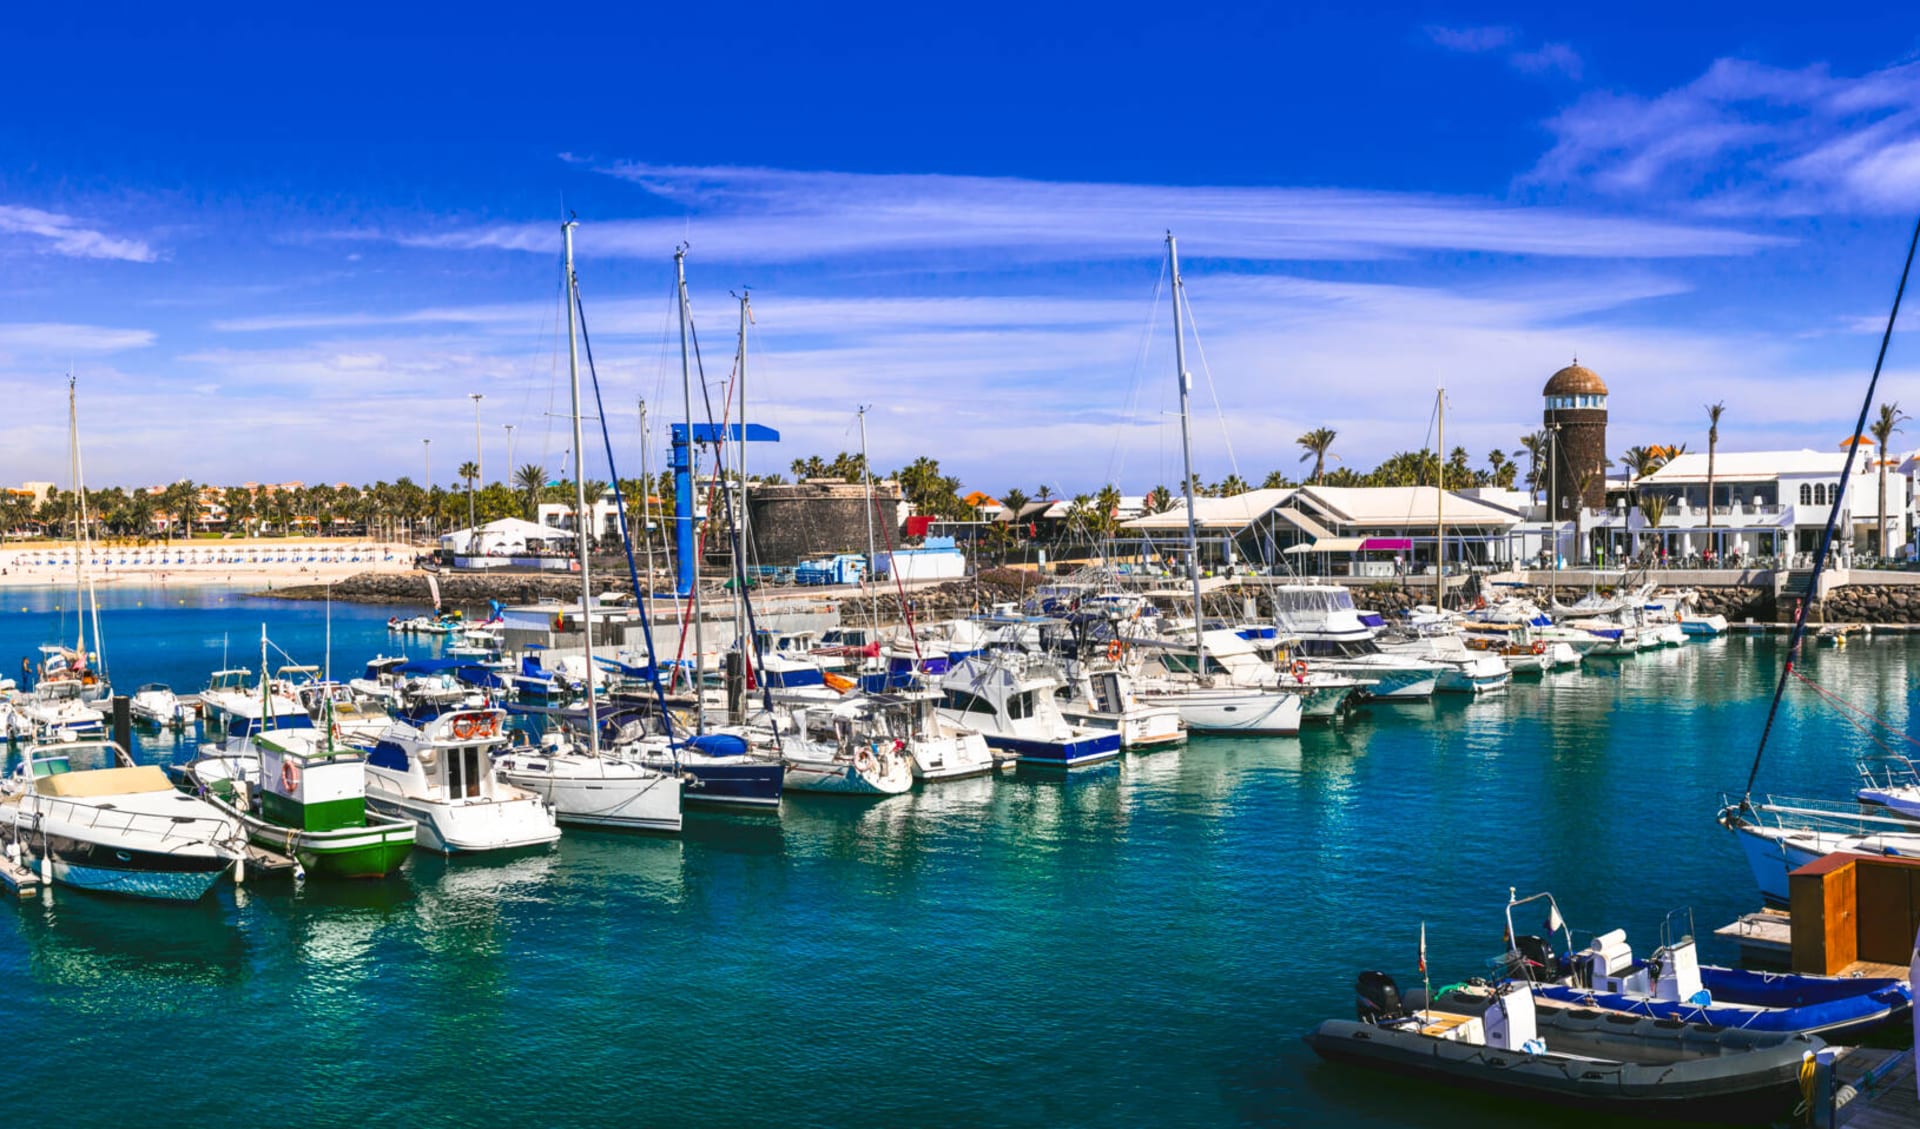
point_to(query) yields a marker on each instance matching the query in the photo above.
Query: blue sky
(277, 247)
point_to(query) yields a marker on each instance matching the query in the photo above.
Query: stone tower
(1576, 423)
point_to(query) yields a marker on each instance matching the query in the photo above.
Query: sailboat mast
(79, 510)
(646, 504)
(693, 566)
(740, 464)
(1186, 457)
(580, 512)
(866, 481)
(1440, 506)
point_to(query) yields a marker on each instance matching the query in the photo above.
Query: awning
(1389, 544)
(1304, 523)
(1330, 545)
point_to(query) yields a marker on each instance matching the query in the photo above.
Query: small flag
(1423, 948)
(1554, 921)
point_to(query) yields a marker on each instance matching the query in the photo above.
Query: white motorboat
(156, 704)
(1466, 672)
(1008, 697)
(54, 720)
(121, 829)
(1100, 695)
(235, 705)
(850, 747)
(436, 771)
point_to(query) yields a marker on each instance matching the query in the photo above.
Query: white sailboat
(1209, 704)
(589, 786)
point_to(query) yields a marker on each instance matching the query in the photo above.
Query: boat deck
(1766, 938)
(1883, 1082)
(260, 860)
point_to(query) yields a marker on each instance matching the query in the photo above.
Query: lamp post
(427, 445)
(510, 470)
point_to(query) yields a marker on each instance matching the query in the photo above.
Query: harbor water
(1141, 944)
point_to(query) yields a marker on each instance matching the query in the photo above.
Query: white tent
(505, 537)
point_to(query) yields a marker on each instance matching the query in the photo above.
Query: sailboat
(587, 786)
(71, 678)
(1209, 703)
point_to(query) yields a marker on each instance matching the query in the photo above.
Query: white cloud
(61, 338)
(66, 236)
(1472, 40)
(1749, 138)
(1548, 58)
(753, 215)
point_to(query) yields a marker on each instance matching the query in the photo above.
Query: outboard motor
(1377, 998)
(1535, 960)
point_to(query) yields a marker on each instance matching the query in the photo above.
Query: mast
(740, 462)
(686, 392)
(1440, 506)
(866, 479)
(79, 517)
(1186, 458)
(646, 504)
(580, 494)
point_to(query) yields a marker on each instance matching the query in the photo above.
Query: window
(1806, 494)
(965, 703)
(1020, 705)
(1819, 493)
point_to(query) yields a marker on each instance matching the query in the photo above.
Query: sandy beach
(261, 564)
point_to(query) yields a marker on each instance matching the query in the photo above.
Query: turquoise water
(1141, 945)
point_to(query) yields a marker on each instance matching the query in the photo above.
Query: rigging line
(693, 476)
(1833, 518)
(1226, 439)
(620, 510)
(1860, 716)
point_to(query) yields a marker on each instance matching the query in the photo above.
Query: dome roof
(1575, 381)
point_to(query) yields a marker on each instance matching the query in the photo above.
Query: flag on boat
(1554, 921)
(1423, 948)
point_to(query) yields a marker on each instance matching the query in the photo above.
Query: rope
(1833, 518)
(1859, 718)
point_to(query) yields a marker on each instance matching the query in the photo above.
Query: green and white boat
(298, 793)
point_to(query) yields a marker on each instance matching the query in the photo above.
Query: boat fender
(1535, 1045)
(1702, 998)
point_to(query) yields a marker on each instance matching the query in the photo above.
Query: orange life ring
(865, 762)
(1300, 670)
(1115, 650)
(462, 728)
(1539, 648)
(486, 726)
(289, 776)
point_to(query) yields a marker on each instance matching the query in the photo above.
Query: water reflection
(79, 940)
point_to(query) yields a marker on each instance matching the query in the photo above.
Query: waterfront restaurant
(1766, 504)
(1363, 531)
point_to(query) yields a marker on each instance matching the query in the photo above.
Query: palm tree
(1319, 444)
(1159, 500)
(1015, 500)
(532, 479)
(1882, 429)
(1714, 411)
(1043, 492)
(1275, 480)
(1640, 462)
(1537, 446)
(1230, 487)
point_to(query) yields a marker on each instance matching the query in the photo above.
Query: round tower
(1576, 423)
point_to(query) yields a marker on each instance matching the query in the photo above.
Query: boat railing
(181, 829)
(1799, 813)
(1896, 772)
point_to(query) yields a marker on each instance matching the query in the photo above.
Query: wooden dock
(1764, 938)
(266, 863)
(1877, 1087)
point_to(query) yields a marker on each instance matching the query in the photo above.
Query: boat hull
(844, 778)
(1073, 752)
(157, 875)
(470, 828)
(633, 803)
(727, 781)
(1753, 1087)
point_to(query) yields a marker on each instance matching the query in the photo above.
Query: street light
(510, 470)
(479, 466)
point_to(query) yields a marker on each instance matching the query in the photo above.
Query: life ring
(462, 728)
(289, 776)
(1115, 650)
(865, 761)
(1480, 603)
(1539, 648)
(487, 726)
(1299, 669)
